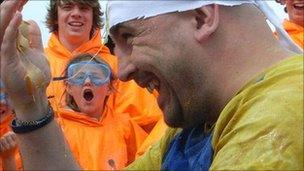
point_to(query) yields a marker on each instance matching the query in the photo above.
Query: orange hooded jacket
(296, 32)
(129, 98)
(108, 144)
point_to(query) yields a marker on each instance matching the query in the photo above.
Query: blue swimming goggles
(98, 73)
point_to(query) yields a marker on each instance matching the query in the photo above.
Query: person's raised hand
(8, 8)
(8, 144)
(25, 71)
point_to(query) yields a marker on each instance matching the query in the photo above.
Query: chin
(173, 116)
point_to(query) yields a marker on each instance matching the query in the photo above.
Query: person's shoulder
(287, 66)
(266, 116)
(282, 81)
(270, 94)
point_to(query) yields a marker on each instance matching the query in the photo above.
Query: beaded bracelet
(20, 127)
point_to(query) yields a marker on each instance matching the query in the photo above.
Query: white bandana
(121, 11)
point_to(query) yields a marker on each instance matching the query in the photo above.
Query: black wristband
(28, 126)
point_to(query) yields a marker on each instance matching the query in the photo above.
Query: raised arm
(26, 74)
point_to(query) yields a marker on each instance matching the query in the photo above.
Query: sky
(36, 10)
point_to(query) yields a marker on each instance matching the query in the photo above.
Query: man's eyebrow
(118, 27)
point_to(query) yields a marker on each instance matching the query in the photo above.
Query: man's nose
(126, 69)
(76, 11)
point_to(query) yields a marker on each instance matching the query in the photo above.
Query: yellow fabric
(260, 128)
(94, 143)
(129, 98)
(152, 159)
(296, 32)
(153, 137)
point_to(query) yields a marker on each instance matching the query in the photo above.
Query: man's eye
(127, 37)
(84, 8)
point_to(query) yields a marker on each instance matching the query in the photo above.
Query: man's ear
(207, 21)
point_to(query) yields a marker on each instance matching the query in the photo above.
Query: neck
(239, 60)
(98, 113)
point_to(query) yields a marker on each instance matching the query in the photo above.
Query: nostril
(127, 73)
(126, 76)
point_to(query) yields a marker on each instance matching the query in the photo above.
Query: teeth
(300, 5)
(151, 87)
(76, 24)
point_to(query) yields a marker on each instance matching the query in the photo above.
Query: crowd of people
(230, 102)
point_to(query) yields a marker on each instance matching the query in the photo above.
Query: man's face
(295, 9)
(74, 21)
(156, 54)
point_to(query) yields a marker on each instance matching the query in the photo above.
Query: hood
(291, 27)
(92, 46)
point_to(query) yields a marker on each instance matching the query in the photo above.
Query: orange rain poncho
(296, 32)
(129, 98)
(108, 144)
(4, 128)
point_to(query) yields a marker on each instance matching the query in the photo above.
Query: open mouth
(75, 24)
(88, 94)
(299, 6)
(153, 85)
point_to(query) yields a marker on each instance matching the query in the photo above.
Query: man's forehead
(121, 11)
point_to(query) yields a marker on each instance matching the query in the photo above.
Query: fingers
(11, 139)
(8, 141)
(8, 9)
(21, 4)
(35, 36)
(8, 47)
